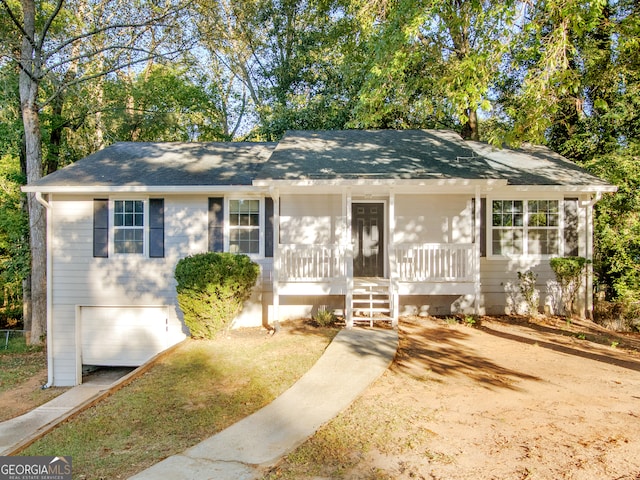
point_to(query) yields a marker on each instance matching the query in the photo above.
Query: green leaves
(617, 224)
(164, 104)
(212, 288)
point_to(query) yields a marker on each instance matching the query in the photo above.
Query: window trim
(113, 227)
(525, 227)
(261, 223)
(146, 229)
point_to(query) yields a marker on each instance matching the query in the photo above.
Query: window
(128, 227)
(244, 226)
(507, 222)
(236, 225)
(525, 227)
(543, 227)
(128, 223)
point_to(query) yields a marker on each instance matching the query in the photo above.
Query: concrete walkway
(22, 430)
(353, 360)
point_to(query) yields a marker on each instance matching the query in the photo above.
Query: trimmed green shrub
(568, 271)
(212, 288)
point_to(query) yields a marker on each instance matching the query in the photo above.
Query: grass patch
(19, 361)
(369, 428)
(197, 391)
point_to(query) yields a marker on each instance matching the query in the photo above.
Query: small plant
(568, 271)
(470, 320)
(614, 344)
(324, 317)
(527, 286)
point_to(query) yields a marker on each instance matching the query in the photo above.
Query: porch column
(587, 311)
(393, 267)
(476, 250)
(348, 257)
(275, 195)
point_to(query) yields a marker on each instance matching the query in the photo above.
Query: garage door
(122, 336)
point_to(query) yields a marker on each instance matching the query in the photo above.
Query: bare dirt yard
(25, 392)
(509, 398)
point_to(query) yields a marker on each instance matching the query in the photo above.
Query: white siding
(310, 219)
(433, 219)
(496, 273)
(121, 280)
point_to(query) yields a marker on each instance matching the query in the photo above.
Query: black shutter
(101, 228)
(483, 227)
(216, 224)
(571, 227)
(156, 227)
(268, 227)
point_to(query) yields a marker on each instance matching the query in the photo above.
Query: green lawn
(200, 389)
(19, 362)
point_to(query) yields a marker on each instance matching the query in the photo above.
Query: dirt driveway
(510, 399)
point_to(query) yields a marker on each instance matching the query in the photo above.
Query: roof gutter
(41, 200)
(595, 198)
(380, 182)
(155, 189)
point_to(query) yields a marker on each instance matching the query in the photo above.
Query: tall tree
(433, 61)
(288, 56)
(574, 83)
(46, 49)
(163, 103)
(14, 249)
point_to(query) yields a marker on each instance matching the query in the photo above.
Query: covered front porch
(413, 269)
(372, 249)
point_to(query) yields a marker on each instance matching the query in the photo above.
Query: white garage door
(122, 336)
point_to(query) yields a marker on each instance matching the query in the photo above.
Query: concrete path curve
(20, 431)
(353, 360)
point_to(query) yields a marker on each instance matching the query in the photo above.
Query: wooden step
(369, 311)
(364, 303)
(371, 302)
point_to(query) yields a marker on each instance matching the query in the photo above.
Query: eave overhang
(141, 189)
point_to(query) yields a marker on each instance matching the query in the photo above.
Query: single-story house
(374, 223)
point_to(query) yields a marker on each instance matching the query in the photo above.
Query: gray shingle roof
(165, 164)
(414, 154)
(320, 155)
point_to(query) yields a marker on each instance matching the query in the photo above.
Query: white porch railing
(434, 262)
(423, 262)
(311, 263)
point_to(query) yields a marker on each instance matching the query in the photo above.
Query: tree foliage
(76, 76)
(162, 103)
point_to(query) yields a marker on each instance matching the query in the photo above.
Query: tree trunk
(26, 281)
(29, 83)
(26, 307)
(470, 128)
(52, 159)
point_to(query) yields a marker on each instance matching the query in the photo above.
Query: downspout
(589, 230)
(47, 207)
